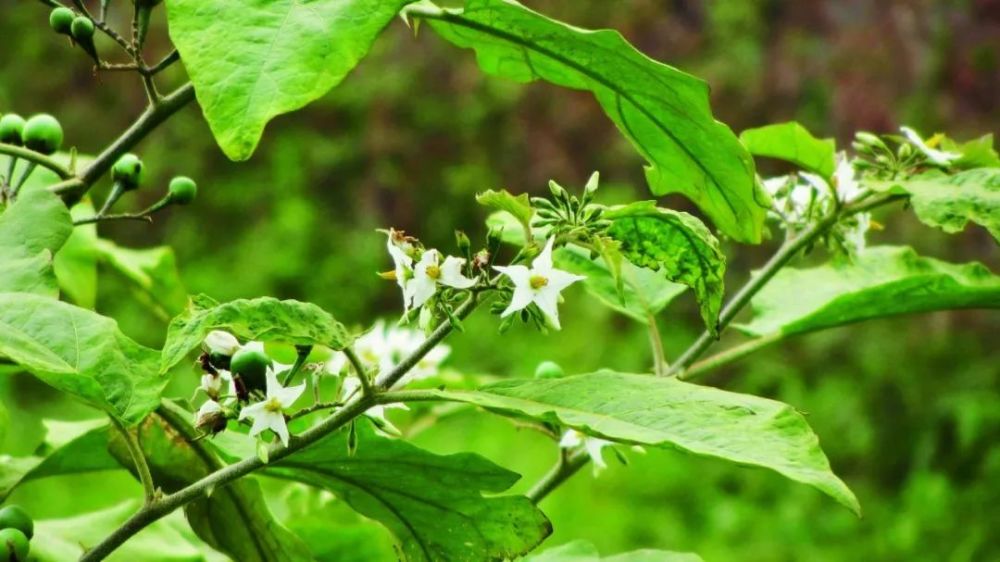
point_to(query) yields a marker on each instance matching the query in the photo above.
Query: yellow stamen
(272, 405)
(433, 271)
(537, 281)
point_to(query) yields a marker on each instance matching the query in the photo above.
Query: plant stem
(656, 344)
(359, 370)
(352, 409)
(728, 356)
(567, 465)
(301, 354)
(74, 188)
(42, 160)
(139, 459)
(122, 216)
(171, 58)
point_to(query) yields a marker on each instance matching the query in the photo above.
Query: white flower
(212, 385)
(541, 285)
(210, 416)
(593, 445)
(854, 233)
(351, 386)
(938, 157)
(222, 343)
(848, 188)
(402, 262)
(269, 414)
(429, 272)
(384, 347)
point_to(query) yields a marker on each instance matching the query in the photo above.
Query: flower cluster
(420, 273)
(384, 346)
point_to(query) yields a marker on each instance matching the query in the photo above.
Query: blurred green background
(907, 409)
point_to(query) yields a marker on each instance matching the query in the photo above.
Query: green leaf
(950, 202)
(166, 540)
(517, 205)
(433, 504)
(153, 272)
(882, 281)
(666, 412)
(87, 451)
(76, 263)
(81, 353)
(662, 111)
(332, 530)
(266, 318)
(976, 153)
(251, 60)
(678, 246)
(235, 518)
(583, 551)
(645, 292)
(793, 143)
(31, 231)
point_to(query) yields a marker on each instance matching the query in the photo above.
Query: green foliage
(256, 319)
(678, 246)
(583, 551)
(81, 353)
(793, 143)
(518, 206)
(75, 264)
(881, 281)
(416, 494)
(31, 231)
(252, 60)
(86, 452)
(662, 111)
(949, 202)
(152, 272)
(665, 412)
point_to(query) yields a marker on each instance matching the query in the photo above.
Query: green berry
(61, 20)
(251, 365)
(182, 190)
(128, 171)
(14, 517)
(13, 546)
(43, 133)
(549, 370)
(82, 29)
(12, 129)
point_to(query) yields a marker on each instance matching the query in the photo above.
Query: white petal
(847, 187)
(273, 386)
(570, 439)
(543, 263)
(429, 258)
(594, 447)
(218, 341)
(278, 425)
(547, 300)
(451, 273)
(518, 274)
(939, 157)
(522, 297)
(336, 364)
(260, 423)
(253, 411)
(420, 289)
(288, 396)
(255, 346)
(559, 279)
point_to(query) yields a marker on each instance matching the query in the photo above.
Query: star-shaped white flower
(402, 263)
(351, 386)
(384, 347)
(938, 157)
(429, 272)
(540, 284)
(593, 445)
(270, 414)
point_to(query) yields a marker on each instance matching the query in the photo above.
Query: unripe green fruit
(128, 171)
(61, 20)
(12, 129)
(182, 190)
(43, 133)
(82, 29)
(251, 365)
(549, 370)
(13, 517)
(13, 546)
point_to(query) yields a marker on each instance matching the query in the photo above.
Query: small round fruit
(251, 365)
(43, 133)
(182, 190)
(12, 129)
(61, 20)
(549, 370)
(13, 546)
(82, 29)
(14, 517)
(128, 171)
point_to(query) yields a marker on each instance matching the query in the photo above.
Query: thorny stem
(139, 459)
(352, 409)
(359, 370)
(42, 160)
(99, 24)
(123, 216)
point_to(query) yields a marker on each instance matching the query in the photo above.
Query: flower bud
(218, 341)
(211, 417)
(464, 244)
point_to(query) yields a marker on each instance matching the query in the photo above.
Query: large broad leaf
(152, 271)
(666, 412)
(518, 206)
(234, 519)
(251, 60)
(644, 292)
(950, 202)
(265, 318)
(166, 540)
(76, 263)
(583, 551)
(31, 231)
(793, 143)
(81, 353)
(433, 504)
(881, 281)
(677, 245)
(662, 111)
